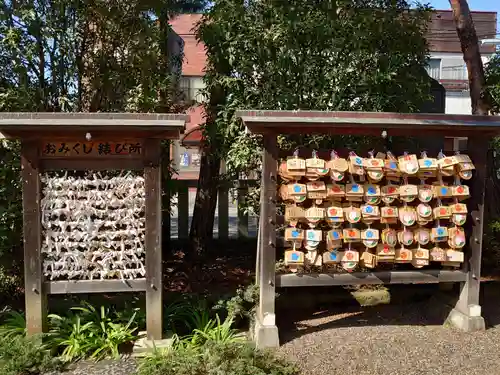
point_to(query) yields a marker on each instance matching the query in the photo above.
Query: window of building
(192, 87)
(434, 68)
(456, 72)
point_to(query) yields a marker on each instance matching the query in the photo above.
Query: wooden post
(166, 213)
(154, 284)
(242, 216)
(259, 251)
(223, 206)
(33, 278)
(182, 209)
(467, 312)
(266, 332)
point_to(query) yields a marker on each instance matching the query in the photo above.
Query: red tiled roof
(195, 57)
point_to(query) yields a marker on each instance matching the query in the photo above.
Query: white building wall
(451, 66)
(458, 103)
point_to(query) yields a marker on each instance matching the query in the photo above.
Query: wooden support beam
(182, 210)
(94, 286)
(223, 207)
(154, 282)
(165, 213)
(258, 262)
(466, 314)
(242, 216)
(377, 277)
(266, 332)
(33, 277)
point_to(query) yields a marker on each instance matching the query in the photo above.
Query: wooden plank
(287, 122)
(100, 118)
(223, 207)
(166, 209)
(92, 164)
(258, 262)
(154, 285)
(268, 233)
(94, 286)
(477, 147)
(372, 130)
(77, 133)
(33, 277)
(378, 277)
(183, 209)
(100, 149)
(174, 155)
(242, 215)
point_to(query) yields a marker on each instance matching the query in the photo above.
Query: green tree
(493, 82)
(300, 55)
(74, 55)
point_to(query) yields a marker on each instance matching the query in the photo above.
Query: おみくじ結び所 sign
(90, 149)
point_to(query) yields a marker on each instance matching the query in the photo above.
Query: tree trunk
(472, 56)
(206, 200)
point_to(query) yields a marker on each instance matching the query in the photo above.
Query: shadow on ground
(414, 305)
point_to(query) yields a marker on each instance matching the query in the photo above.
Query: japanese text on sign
(72, 149)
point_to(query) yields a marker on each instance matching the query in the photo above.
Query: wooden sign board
(93, 149)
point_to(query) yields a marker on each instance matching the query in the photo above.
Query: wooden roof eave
(368, 123)
(76, 125)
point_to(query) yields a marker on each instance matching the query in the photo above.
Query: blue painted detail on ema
(295, 256)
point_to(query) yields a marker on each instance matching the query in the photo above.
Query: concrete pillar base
(466, 322)
(265, 336)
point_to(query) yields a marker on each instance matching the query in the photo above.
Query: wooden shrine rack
(41, 135)
(478, 129)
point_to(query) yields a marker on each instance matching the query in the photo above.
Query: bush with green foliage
(215, 358)
(492, 73)
(91, 333)
(21, 355)
(241, 306)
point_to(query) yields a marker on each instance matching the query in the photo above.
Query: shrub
(240, 307)
(13, 324)
(215, 332)
(20, 355)
(90, 333)
(214, 358)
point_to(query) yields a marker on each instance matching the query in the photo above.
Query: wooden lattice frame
(478, 129)
(146, 129)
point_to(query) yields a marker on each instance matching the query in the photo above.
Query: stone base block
(144, 346)
(464, 322)
(265, 336)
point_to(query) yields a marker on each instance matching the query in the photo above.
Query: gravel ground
(125, 366)
(386, 340)
(396, 340)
